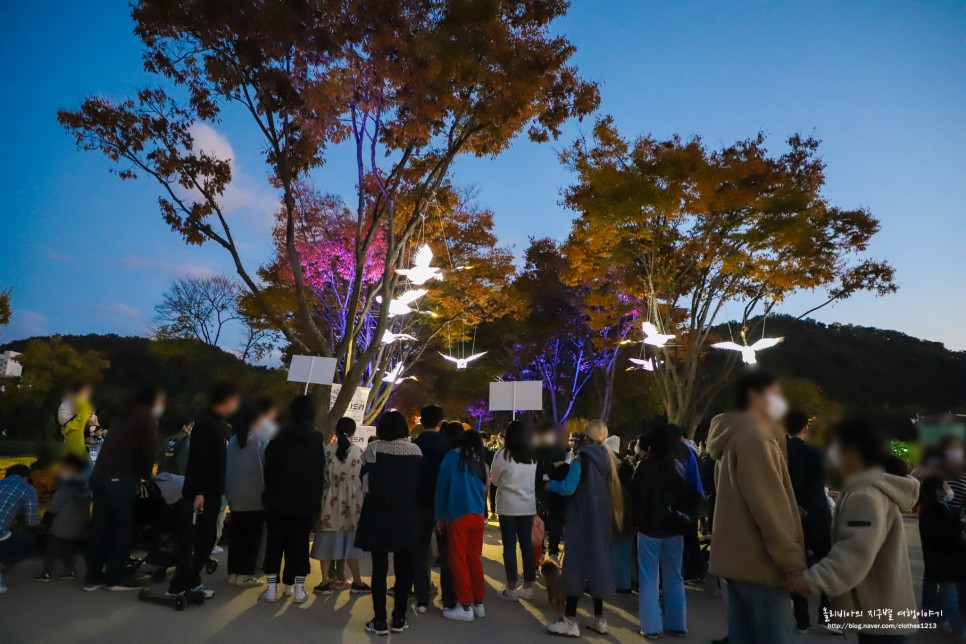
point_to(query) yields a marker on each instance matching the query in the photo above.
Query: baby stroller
(155, 517)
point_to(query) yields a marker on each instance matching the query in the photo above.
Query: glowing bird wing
(731, 346)
(410, 296)
(475, 356)
(650, 329)
(450, 358)
(388, 338)
(423, 257)
(405, 336)
(766, 343)
(638, 361)
(393, 373)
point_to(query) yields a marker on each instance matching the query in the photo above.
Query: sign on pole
(523, 395)
(362, 436)
(357, 406)
(312, 370)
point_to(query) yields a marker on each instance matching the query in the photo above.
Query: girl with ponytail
(595, 512)
(342, 496)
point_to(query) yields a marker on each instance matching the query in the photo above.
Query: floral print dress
(342, 495)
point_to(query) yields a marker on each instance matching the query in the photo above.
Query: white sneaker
(421, 609)
(300, 596)
(288, 591)
(479, 611)
(458, 613)
(564, 627)
(232, 580)
(269, 595)
(525, 593)
(217, 550)
(598, 624)
(204, 590)
(509, 594)
(248, 582)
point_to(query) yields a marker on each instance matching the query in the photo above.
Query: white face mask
(833, 456)
(776, 407)
(954, 455)
(950, 495)
(158, 411)
(267, 429)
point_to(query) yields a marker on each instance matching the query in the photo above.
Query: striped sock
(300, 582)
(272, 582)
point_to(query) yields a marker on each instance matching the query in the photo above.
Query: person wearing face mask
(244, 485)
(943, 549)
(125, 458)
(866, 572)
(954, 469)
(204, 485)
(757, 543)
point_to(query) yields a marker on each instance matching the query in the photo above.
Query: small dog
(551, 579)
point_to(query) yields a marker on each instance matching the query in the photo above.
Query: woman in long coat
(596, 507)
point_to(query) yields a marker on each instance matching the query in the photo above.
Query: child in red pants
(460, 511)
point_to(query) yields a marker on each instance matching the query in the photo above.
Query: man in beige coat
(757, 544)
(867, 572)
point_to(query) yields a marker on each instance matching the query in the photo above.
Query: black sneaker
(360, 589)
(68, 576)
(43, 577)
(377, 627)
(399, 624)
(323, 589)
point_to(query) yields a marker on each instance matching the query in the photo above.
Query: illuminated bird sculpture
(393, 375)
(388, 337)
(462, 363)
(654, 337)
(422, 272)
(401, 304)
(748, 351)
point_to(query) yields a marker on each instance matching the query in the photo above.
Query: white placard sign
(357, 406)
(516, 396)
(312, 370)
(362, 436)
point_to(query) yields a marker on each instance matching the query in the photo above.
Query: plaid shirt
(17, 498)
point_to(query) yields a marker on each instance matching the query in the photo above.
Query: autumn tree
(6, 312)
(409, 84)
(475, 273)
(549, 338)
(702, 236)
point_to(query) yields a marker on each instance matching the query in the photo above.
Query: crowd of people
(788, 519)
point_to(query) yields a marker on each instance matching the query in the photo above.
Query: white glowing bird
(647, 364)
(422, 272)
(653, 337)
(388, 337)
(748, 351)
(401, 304)
(393, 375)
(462, 363)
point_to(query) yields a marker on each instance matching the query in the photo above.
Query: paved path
(61, 613)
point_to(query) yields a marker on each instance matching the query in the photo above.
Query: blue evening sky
(882, 83)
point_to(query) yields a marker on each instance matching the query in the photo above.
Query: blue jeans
(623, 562)
(758, 614)
(112, 523)
(665, 554)
(513, 529)
(948, 601)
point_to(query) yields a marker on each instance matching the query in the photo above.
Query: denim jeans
(664, 555)
(949, 604)
(758, 614)
(513, 529)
